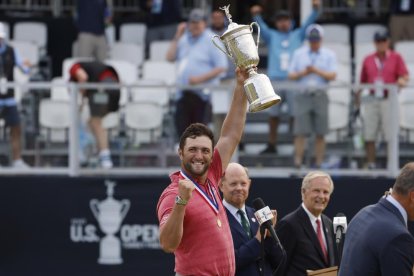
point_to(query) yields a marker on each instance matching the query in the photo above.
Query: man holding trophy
(193, 221)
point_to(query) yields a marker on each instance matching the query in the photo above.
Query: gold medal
(218, 222)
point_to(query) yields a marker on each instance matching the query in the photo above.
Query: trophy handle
(94, 207)
(125, 207)
(258, 33)
(218, 47)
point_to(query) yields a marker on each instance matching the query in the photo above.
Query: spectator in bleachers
(313, 66)
(92, 17)
(401, 20)
(100, 103)
(281, 42)
(162, 19)
(198, 63)
(218, 22)
(382, 67)
(9, 58)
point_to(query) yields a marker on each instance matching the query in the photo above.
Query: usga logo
(109, 214)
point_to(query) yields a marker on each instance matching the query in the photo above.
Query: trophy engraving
(243, 50)
(109, 213)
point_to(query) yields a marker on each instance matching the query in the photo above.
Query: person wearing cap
(10, 58)
(199, 62)
(100, 104)
(385, 66)
(281, 43)
(313, 67)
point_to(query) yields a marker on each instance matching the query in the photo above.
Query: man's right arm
(172, 51)
(171, 230)
(265, 31)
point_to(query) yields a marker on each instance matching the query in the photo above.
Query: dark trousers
(191, 108)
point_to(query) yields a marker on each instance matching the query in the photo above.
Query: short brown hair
(196, 130)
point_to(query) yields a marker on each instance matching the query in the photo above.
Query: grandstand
(40, 40)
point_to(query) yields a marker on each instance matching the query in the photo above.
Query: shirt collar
(233, 210)
(2, 47)
(310, 215)
(398, 205)
(387, 54)
(312, 52)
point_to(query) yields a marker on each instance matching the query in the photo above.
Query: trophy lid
(232, 25)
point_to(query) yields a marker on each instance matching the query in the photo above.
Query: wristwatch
(180, 201)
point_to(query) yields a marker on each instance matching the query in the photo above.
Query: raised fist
(185, 189)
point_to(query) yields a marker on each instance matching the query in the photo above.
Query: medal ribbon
(212, 202)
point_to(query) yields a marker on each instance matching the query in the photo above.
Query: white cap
(314, 32)
(2, 31)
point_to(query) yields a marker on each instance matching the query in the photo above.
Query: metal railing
(74, 168)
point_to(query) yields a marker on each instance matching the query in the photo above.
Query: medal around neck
(243, 50)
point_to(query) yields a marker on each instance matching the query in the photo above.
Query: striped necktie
(244, 222)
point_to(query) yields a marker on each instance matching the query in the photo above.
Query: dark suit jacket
(301, 243)
(247, 250)
(378, 243)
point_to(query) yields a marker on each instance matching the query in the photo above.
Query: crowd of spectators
(288, 58)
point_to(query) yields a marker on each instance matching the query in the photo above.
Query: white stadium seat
(133, 33)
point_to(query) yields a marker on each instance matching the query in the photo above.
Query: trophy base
(109, 261)
(260, 93)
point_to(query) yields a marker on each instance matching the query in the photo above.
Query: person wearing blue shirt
(312, 66)
(9, 58)
(199, 62)
(281, 42)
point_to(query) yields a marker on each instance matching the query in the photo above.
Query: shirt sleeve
(293, 63)
(265, 31)
(19, 62)
(216, 166)
(363, 76)
(333, 65)
(219, 59)
(402, 68)
(166, 204)
(73, 70)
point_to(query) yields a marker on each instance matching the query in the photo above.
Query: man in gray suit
(377, 240)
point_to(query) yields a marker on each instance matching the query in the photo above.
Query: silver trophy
(242, 49)
(109, 213)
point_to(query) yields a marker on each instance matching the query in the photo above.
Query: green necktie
(244, 222)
